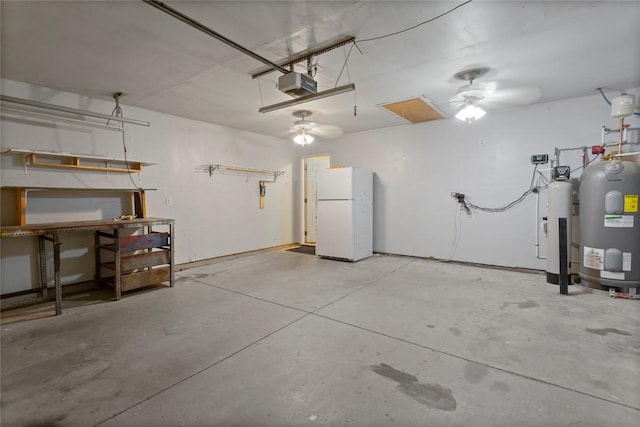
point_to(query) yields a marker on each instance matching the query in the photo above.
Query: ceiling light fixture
(470, 112)
(324, 94)
(303, 138)
(470, 94)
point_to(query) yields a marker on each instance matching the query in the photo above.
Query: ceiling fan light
(303, 138)
(470, 112)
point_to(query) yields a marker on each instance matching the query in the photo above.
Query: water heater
(560, 206)
(610, 224)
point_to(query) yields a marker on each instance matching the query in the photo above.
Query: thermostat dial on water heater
(561, 173)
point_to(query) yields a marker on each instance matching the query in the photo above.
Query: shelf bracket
(237, 170)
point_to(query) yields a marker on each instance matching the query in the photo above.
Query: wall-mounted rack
(13, 112)
(89, 162)
(236, 170)
(68, 110)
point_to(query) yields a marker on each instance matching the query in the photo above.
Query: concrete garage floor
(277, 338)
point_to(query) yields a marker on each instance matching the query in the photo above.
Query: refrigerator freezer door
(335, 229)
(335, 184)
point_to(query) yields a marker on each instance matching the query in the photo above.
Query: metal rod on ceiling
(31, 103)
(307, 54)
(330, 92)
(58, 119)
(197, 25)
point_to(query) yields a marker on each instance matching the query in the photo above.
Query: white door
(313, 165)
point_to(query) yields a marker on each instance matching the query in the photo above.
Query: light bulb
(470, 112)
(303, 138)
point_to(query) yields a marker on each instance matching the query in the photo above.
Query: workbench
(127, 262)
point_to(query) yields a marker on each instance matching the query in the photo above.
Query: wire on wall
(457, 230)
(469, 206)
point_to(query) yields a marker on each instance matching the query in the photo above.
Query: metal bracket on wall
(236, 170)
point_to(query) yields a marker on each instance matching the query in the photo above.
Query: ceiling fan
(476, 95)
(305, 131)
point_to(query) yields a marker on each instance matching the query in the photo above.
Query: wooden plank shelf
(88, 162)
(139, 261)
(140, 279)
(21, 197)
(136, 243)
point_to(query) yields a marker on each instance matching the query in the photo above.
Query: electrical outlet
(169, 201)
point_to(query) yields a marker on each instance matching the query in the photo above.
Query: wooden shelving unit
(49, 159)
(137, 261)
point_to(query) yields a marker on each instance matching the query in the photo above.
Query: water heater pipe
(622, 128)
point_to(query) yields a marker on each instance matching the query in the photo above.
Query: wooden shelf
(237, 170)
(138, 261)
(21, 193)
(49, 159)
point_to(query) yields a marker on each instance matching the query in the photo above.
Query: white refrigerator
(345, 214)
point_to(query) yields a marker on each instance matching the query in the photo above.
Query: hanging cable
(457, 230)
(355, 42)
(583, 166)
(469, 206)
(604, 96)
(346, 59)
(533, 177)
(117, 112)
(355, 104)
(417, 25)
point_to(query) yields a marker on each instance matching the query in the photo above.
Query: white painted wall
(417, 167)
(214, 216)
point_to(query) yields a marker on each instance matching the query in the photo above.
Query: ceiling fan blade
(296, 128)
(519, 95)
(326, 131)
(320, 130)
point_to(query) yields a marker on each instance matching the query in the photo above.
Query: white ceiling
(96, 48)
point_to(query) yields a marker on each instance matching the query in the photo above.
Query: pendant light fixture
(470, 94)
(303, 138)
(470, 112)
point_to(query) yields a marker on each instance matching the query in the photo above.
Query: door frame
(303, 189)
